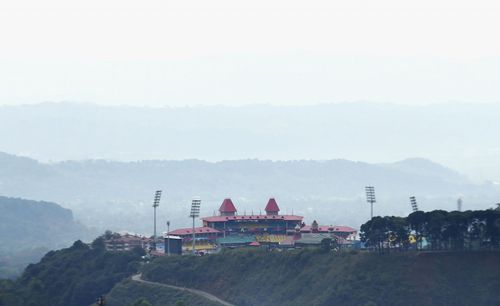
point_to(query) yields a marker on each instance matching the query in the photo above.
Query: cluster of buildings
(229, 229)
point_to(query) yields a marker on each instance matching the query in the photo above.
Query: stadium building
(229, 222)
(229, 229)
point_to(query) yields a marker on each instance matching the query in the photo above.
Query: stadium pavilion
(228, 222)
(229, 229)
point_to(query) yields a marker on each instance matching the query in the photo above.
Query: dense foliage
(129, 292)
(75, 276)
(28, 229)
(315, 277)
(469, 230)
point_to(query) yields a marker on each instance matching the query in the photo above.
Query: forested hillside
(128, 293)
(313, 277)
(29, 229)
(435, 230)
(75, 276)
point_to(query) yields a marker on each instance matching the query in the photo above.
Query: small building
(123, 243)
(173, 244)
(205, 238)
(312, 239)
(342, 231)
(200, 232)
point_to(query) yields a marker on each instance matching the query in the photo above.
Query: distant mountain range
(118, 195)
(460, 136)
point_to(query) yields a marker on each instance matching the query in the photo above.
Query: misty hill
(118, 195)
(28, 229)
(460, 136)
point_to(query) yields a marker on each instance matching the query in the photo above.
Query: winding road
(204, 294)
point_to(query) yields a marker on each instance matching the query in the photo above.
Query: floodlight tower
(370, 198)
(156, 203)
(195, 213)
(413, 202)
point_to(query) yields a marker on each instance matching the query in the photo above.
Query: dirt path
(204, 294)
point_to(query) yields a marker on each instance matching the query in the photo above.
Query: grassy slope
(127, 292)
(314, 278)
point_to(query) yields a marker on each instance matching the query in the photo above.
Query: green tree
(142, 302)
(417, 221)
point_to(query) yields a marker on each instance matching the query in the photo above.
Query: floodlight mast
(195, 213)
(370, 198)
(156, 203)
(413, 202)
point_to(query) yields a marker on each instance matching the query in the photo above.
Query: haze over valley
(458, 136)
(118, 195)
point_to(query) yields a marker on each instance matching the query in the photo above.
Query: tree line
(434, 230)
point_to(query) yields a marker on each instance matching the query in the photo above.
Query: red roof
(327, 228)
(197, 230)
(227, 206)
(253, 217)
(255, 243)
(272, 206)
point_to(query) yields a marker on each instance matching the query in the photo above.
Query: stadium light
(156, 203)
(370, 198)
(195, 213)
(413, 202)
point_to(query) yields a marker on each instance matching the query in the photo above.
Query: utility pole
(195, 213)
(459, 204)
(168, 238)
(156, 203)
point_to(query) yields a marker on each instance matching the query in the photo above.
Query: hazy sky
(239, 52)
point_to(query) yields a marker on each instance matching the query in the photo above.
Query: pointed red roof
(272, 206)
(227, 206)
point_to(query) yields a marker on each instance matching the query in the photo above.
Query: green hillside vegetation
(456, 230)
(29, 229)
(316, 277)
(75, 276)
(461, 268)
(129, 292)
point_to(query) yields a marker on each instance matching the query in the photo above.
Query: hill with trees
(74, 276)
(460, 267)
(439, 229)
(29, 229)
(130, 293)
(315, 277)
